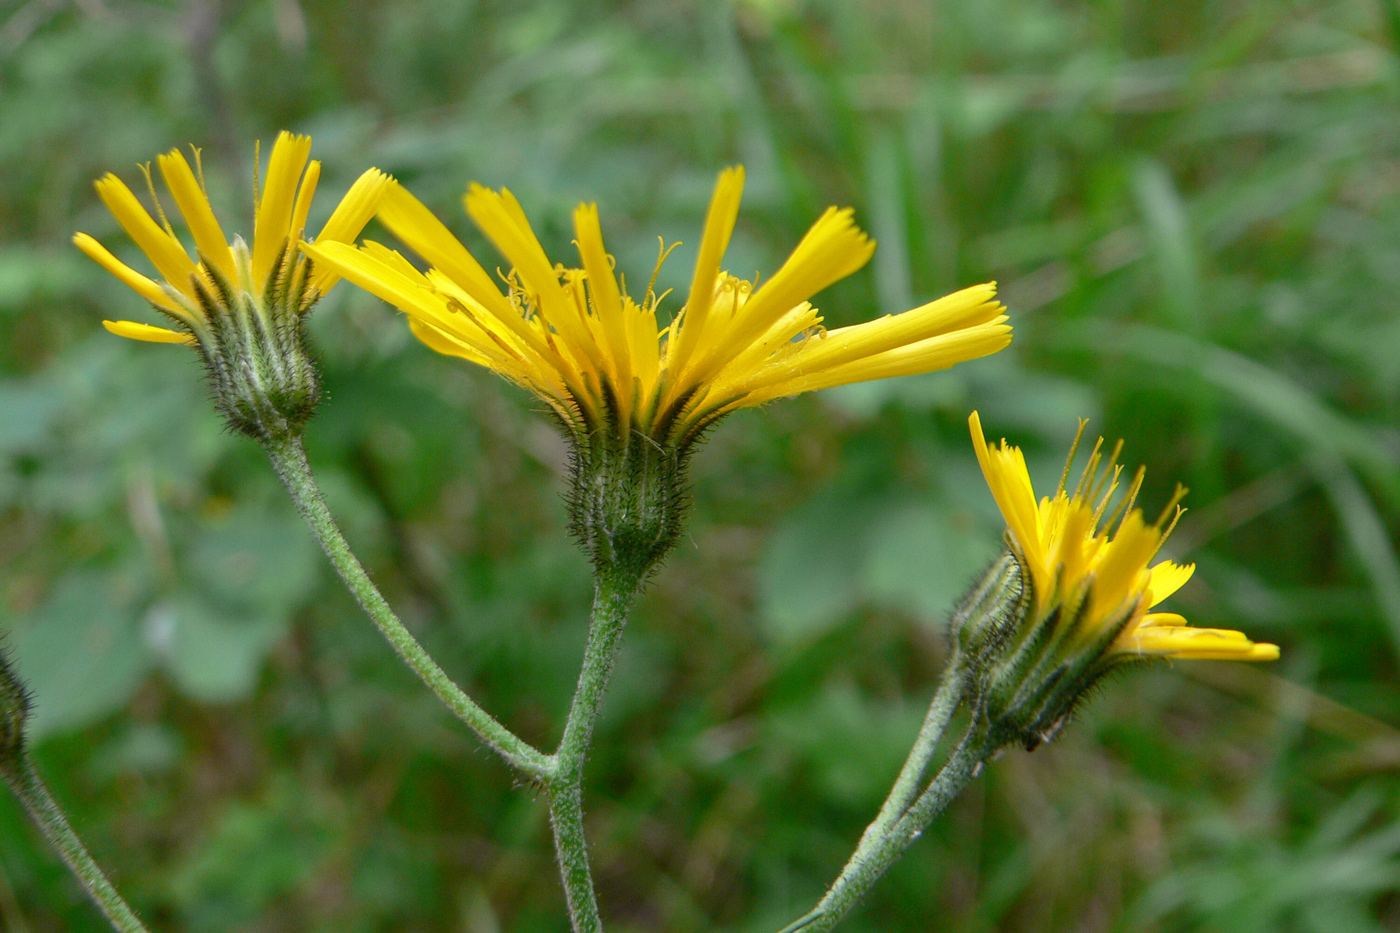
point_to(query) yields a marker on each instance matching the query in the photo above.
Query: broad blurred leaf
(255, 561)
(852, 745)
(924, 555)
(82, 651)
(808, 576)
(214, 656)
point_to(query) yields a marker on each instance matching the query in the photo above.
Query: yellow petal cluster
(279, 223)
(1076, 559)
(574, 337)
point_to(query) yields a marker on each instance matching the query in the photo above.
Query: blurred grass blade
(1266, 392)
(1366, 532)
(888, 224)
(1168, 233)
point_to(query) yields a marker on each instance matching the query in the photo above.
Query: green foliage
(1194, 214)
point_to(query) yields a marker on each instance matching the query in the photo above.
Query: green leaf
(255, 561)
(853, 744)
(923, 555)
(214, 656)
(808, 574)
(26, 411)
(81, 652)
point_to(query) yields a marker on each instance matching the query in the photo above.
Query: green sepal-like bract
(1028, 668)
(990, 613)
(254, 346)
(627, 500)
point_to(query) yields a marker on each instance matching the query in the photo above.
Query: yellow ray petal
(357, 207)
(1010, 483)
(765, 361)
(305, 193)
(349, 218)
(164, 251)
(1165, 618)
(272, 226)
(927, 355)
(446, 343)
(148, 333)
(1117, 576)
(831, 250)
(194, 205)
(643, 344)
(1073, 550)
(958, 311)
(399, 263)
(1196, 643)
(1167, 578)
(607, 299)
(374, 275)
(412, 222)
(719, 227)
(468, 317)
(146, 288)
(499, 216)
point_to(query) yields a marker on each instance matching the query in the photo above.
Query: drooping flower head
(617, 377)
(1086, 585)
(241, 307)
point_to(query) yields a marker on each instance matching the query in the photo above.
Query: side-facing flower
(240, 307)
(634, 395)
(1076, 602)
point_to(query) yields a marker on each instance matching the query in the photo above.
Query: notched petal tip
(364, 199)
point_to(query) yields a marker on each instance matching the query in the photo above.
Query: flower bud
(990, 612)
(260, 368)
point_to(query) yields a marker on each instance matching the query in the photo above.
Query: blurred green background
(1193, 210)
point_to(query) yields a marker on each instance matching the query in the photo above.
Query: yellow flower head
(601, 360)
(241, 308)
(193, 290)
(1094, 568)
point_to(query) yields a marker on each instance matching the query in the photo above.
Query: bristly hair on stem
(18, 771)
(16, 702)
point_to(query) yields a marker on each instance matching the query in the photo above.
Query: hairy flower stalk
(632, 395)
(18, 771)
(241, 307)
(1069, 601)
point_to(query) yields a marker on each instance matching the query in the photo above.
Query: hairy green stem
(29, 787)
(906, 786)
(945, 702)
(870, 863)
(612, 600)
(289, 458)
